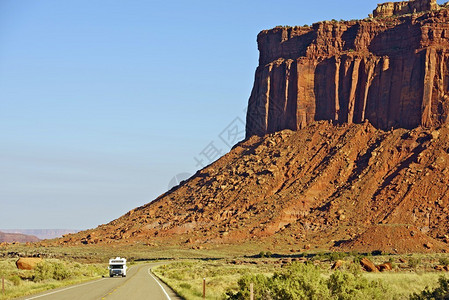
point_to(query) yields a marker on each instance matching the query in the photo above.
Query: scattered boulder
(439, 268)
(368, 265)
(393, 239)
(442, 268)
(337, 264)
(27, 263)
(385, 267)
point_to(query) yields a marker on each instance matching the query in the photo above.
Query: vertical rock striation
(393, 72)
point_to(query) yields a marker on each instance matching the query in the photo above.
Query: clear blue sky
(102, 103)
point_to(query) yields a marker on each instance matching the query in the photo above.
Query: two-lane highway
(139, 284)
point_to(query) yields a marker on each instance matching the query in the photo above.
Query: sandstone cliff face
(405, 7)
(393, 72)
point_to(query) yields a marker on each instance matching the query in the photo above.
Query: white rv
(117, 266)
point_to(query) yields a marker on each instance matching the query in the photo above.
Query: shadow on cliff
(294, 47)
(383, 86)
(398, 40)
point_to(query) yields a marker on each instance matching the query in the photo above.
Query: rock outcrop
(389, 9)
(368, 265)
(393, 72)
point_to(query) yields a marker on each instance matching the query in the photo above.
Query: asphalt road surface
(138, 284)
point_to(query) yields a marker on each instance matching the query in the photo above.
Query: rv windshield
(116, 266)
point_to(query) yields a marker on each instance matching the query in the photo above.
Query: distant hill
(17, 237)
(42, 234)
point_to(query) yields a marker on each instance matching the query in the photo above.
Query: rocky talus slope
(392, 71)
(329, 186)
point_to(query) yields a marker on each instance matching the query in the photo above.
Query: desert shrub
(444, 261)
(351, 267)
(299, 281)
(177, 276)
(357, 258)
(15, 279)
(441, 292)
(260, 283)
(346, 285)
(305, 281)
(414, 262)
(60, 271)
(333, 256)
(265, 254)
(51, 270)
(185, 285)
(320, 256)
(43, 271)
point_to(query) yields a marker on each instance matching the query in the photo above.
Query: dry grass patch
(49, 274)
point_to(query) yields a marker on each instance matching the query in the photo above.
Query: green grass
(50, 274)
(412, 272)
(406, 283)
(186, 278)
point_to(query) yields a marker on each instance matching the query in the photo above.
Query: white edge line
(72, 287)
(165, 292)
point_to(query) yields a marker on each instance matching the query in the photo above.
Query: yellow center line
(126, 280)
